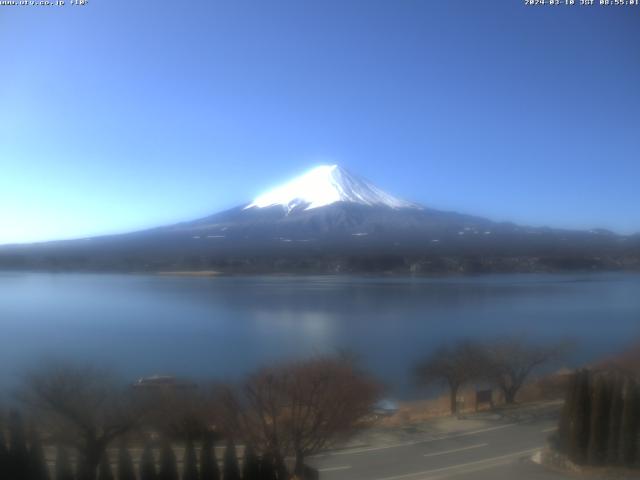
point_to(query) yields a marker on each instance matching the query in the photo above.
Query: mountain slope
(332, 220)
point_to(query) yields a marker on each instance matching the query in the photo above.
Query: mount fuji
(331, 220)
(325, 185)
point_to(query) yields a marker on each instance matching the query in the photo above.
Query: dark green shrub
(564, 427)
(104, 468)
(148, 464)
(125, 464)
(168, 467)
(250, 465)
(580, 420)
(37, 463)
(600, 409)
(268, 467)
(629, 426)
(209, 469)
(231, 471)
(18, 453)
(615, 421)
(190, 463)
(63, 469)
(4, 456)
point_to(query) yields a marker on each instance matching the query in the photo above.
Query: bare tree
(627, 362)
(303, 407)
(452, 366)
(511, 360)
(185, 414)
(81, 407)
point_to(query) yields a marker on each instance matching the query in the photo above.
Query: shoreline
(381, 274)
(189, 273)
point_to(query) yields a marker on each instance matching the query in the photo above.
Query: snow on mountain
(325, 185)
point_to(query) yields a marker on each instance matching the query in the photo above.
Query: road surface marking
(487, 462)
(435, 454)
(474, 467)
(334, 469)
(550, 429)
(417, 442)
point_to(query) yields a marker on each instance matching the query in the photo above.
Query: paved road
(498, 451)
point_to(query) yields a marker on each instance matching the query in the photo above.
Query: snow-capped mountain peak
(323, 186)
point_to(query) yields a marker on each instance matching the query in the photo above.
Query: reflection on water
(226, 326)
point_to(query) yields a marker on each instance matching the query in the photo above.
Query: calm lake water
(224, 327)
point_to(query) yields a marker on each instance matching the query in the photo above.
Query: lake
(224, 327)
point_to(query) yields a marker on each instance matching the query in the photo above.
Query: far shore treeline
(312, 263)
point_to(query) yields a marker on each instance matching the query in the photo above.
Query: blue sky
(121, 115)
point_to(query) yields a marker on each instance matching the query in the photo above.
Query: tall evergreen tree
(250, 465)
(148, 464)
(4, 456)
(209, 469)
(168, 467)
(85, 469)
(63, 465)
(629, 427)
(281, 469)
(38, 469)
(126, 470)
(566, 416)
(18, 453)
(615, 421)
(600, 405)
(104, 469)
(190, 462)
(230, 463)
(580, 422)
(268, 467)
